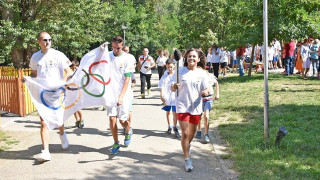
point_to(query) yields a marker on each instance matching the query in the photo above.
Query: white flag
(91, 85)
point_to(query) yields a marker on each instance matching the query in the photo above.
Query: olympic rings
(93, 75)
(74, 89)
(76, 101)
(85, 90)
(44, 102)
(83, 86)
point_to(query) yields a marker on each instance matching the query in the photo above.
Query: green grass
(293, 103)
(6, 141)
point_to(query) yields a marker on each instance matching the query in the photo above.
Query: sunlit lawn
(294, 103)
(6, 141)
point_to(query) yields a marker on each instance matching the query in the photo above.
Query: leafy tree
(73, 25)
(201, 23)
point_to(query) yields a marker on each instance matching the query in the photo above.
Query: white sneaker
(188, 165)
(44, 156)
(64, 141)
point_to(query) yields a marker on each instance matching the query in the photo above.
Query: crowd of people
(186, 82)
(290, 56)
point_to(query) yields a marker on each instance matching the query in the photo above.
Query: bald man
(51, 65)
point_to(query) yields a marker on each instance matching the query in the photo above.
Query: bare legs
(44, 133)
(114, 127)
(187, 131)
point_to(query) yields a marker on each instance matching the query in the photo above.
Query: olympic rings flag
(90, 85)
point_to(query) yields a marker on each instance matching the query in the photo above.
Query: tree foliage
(73, 24)
(78, 26)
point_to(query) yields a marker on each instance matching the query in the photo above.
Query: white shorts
(122, 112)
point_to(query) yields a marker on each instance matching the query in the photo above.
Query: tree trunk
(252, 56)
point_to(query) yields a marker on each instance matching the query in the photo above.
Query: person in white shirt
(191, 85)
(51, 65)
(305, 56)
(215, 60)
(270, 56)
(122, 70)
(168, 97)
(207, 105)
(233, 60)
(277, 47)
(224, 60)
(161, 62)
(77, 115)
(145, 64)
(126, 49)
(209, 56)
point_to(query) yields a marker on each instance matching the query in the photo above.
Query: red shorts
(194, 119)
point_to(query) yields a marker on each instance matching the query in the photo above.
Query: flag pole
(266, 94)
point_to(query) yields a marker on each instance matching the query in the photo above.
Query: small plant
(6, 141)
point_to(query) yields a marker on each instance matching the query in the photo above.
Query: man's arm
(67, 74)
(139, 66)
(124, 89)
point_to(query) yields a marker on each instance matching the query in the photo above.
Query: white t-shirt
(277, 45)
(304, 51)
(248, 52)
(192, 82)
(122, 64)
(148, 63)
(161, 60)
(211, 82)
(233, 55)
(215, 58)
(270, 53)
(50, 65)
(209, 56)
(181, 62)
(223, 56)
(165, 84)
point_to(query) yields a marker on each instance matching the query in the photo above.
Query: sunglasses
(47, 40)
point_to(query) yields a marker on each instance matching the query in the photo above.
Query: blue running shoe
(115, 148)
(198, 135)
(127, 137)
(176, 132)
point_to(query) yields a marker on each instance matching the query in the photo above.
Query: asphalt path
(152, 154)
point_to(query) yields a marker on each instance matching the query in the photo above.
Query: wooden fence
(14, 95)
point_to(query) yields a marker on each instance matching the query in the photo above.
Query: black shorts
(223, 65)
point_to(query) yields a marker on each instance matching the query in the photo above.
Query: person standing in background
(161, 62)
(78, 115)
(240, 57)
(145, 64)
(215, 60)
